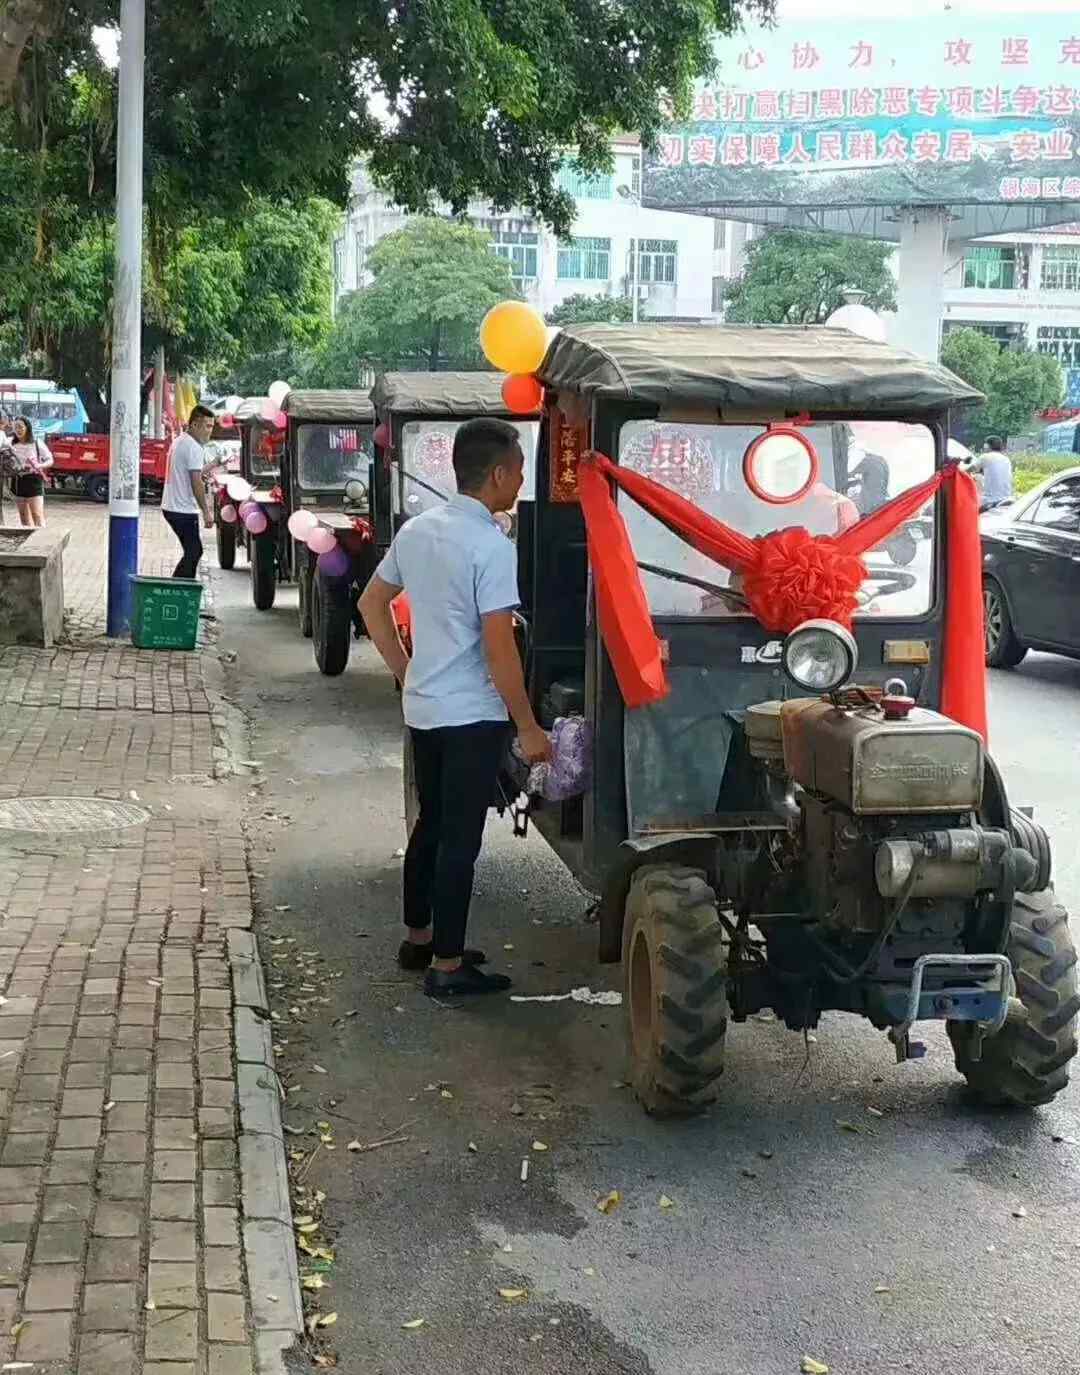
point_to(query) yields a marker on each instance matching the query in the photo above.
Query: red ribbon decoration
(789, 576)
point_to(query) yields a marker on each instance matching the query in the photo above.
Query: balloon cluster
(240, 506)
(332, 559)
(514, 339)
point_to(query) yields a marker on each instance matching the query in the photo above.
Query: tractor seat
(565, 697)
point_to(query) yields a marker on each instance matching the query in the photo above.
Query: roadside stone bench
(32, 585)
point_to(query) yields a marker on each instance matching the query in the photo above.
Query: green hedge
(1031, 469)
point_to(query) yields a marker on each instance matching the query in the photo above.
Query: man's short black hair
(479, 446)
(996, 443)
(200, 413)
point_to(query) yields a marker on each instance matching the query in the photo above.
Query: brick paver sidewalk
(144, 1208)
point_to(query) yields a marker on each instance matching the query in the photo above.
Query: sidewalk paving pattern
(145, 1225)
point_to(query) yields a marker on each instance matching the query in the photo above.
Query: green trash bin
(165, 614)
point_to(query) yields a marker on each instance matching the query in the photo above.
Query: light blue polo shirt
(456, 566)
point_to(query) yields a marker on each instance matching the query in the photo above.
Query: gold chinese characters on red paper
(568, 443)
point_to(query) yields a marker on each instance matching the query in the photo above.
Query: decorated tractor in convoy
(790, 803)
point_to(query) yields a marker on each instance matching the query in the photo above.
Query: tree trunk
(436, 339)
(20, 20)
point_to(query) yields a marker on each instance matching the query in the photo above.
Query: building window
(1062, 342)
(717, 295)
(584, 187)
(990, 267)
(518, 246)
(719, 234)
(339, 262)
(635, 176)
(1061, 268)
(658, 260)
(585, 260)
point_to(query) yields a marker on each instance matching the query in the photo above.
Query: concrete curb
(269, 1248)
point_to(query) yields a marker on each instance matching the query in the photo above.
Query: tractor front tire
(331, 624)
(226, 544)
(1026, 1064)
(305, 574)
(675, 978)
(262, 554)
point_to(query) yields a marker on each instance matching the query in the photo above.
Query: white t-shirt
(185, 458)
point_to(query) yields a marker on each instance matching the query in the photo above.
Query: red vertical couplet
(963, 682)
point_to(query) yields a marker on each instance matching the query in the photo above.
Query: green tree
(432, 283)
(1018, 384)
(580, 309)
(276, 98)
(797, 278)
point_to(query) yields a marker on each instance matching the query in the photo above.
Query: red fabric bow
(362, 526)
(276, 495)
(789, 576)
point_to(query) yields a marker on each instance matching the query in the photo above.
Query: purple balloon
(334, 563)
(256, 522)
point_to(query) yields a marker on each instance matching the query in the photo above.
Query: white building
(681, 258)
(1024, 289)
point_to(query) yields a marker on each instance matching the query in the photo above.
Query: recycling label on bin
(166, 613)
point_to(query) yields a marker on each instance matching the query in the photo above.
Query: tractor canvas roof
(250, 408)
(453, 395)
(330, 407)
(767, 368)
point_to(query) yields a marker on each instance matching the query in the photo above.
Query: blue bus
(49, 410)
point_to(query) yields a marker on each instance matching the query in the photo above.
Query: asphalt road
(934, 1238)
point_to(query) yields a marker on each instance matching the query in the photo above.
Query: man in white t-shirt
(185, 493)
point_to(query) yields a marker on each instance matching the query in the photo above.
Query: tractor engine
(888, 796)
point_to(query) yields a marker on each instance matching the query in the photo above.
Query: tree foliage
(1017, 383)
(580, 309)
(432, 283)
(799, 278)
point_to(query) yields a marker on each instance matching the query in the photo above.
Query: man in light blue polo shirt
(461, 685)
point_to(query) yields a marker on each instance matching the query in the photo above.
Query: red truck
(81, 463)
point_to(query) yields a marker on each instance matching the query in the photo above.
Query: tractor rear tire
(97, 488)
(331, 624)
(262, 554)
(226, 544)
(675, 972)
(1026, 1064)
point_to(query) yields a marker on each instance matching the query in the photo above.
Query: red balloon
(381, 437)
(522, 393)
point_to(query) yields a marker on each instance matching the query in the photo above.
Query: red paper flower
(797, 577)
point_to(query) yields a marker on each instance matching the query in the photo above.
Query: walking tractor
(252, 471)
(790, 803)
(327, 543)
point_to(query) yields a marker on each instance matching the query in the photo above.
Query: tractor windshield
(862, 465)
(427, 453)
(328, 456)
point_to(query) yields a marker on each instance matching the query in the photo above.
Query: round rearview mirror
(355, 491)
(781, 465)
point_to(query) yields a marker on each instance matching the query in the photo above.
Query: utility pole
(126, 420)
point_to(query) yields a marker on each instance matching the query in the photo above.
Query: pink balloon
(279, 420)
(256, 522)
(228, 514)
(246, 507)
(269, 409)
(301, 524)
(335, 562)
(238, 488)
(381, 437)
(227, 422)
(321, 540)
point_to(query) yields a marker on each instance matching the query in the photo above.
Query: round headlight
(355, 491)
(820, 656)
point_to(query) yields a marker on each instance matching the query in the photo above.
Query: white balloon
(238, 488)
(277, 392)
(859, 320)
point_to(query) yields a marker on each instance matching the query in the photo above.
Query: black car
(1031, 573)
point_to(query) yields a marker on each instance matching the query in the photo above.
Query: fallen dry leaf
(318, 1069)
(539, 1146)
(327, 1320)
(875, 1112)
(313, 1282)
(16, 1328)
(445, 1093)
(882, 1289)
(303, 1220)
(513, 1295)
(307, 1227)
(354, 1146)
(1020, 1212)
(666, 1202)
(413, 1325)
(609, 1202)
(150, 1305)
(473, 1147)
(811, 1367)
(525, 1170)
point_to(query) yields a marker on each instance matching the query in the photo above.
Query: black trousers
(456, 769)
(186, 529)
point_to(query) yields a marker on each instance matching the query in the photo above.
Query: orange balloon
(522, 394)
(514, 337)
